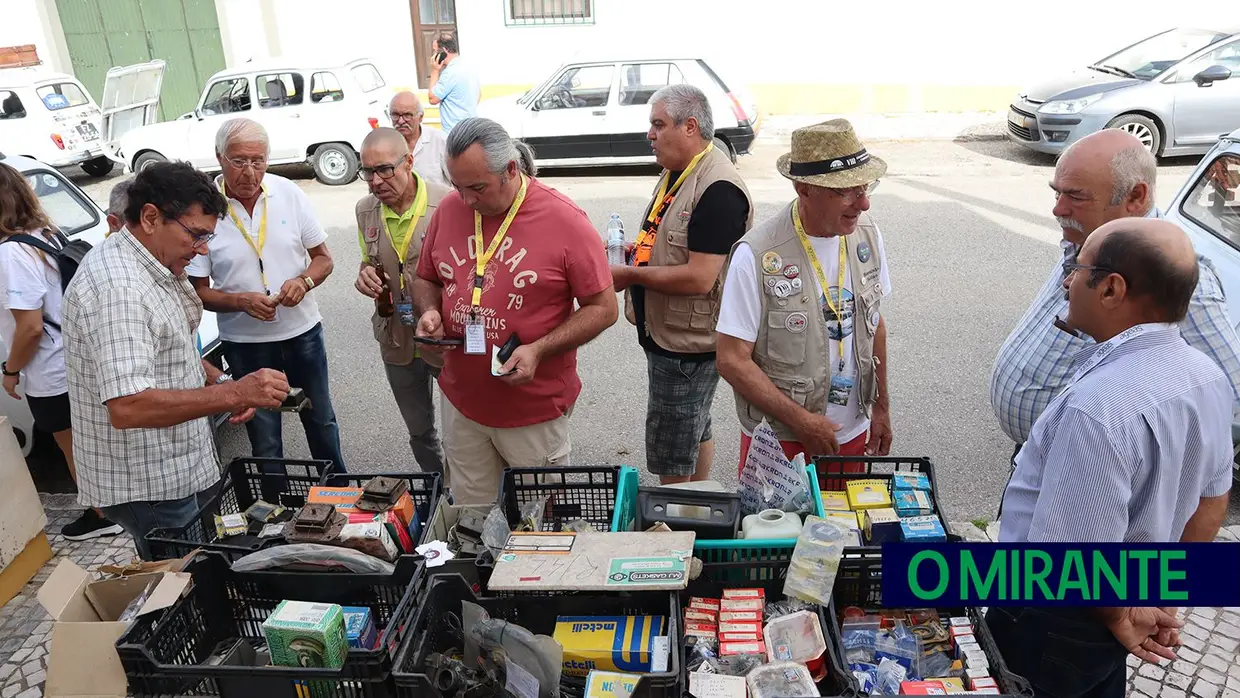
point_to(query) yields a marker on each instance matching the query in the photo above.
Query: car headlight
(1069, 106)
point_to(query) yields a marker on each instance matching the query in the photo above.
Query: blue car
(1175, 91)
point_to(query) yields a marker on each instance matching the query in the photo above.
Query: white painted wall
(35, 22)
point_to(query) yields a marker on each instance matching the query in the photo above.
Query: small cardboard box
(82, 660)
(869, 494)
(612, 643)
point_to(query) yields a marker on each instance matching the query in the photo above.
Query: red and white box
(744, 594)
(741, 605)
(695, 616)
(704, 604)
(740, 616)
(740, 637)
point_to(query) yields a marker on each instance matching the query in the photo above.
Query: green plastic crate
(712, 551)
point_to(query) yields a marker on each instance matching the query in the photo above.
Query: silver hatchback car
(1175, 91)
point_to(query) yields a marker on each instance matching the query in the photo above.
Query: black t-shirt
(716, 223)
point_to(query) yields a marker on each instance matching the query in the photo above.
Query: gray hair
(243, 130)
(500, 148)
(1130, 167)
(421, 110)
(685, 101)
(118, 200)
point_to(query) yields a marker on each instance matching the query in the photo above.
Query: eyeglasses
(1069, 267)
(403, 116)
(242, 163)
(384, 171)
(853, 193)
(201, 237)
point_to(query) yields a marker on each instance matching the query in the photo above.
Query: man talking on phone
(453, 82)
(268, 256)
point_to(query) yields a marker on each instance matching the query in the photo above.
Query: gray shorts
(678, 413)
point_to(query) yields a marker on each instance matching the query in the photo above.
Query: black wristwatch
(4, 368)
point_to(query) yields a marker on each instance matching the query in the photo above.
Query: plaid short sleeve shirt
(130, 325)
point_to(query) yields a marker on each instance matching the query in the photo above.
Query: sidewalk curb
(959, 127)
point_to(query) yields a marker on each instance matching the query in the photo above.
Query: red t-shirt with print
(551, 256)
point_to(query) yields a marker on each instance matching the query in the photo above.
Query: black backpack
(68, 257)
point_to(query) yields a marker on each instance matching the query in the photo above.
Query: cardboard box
(913, 503)
(881, 525)
(345, 501)
(834, 501)
(910, 481)
(22, 519)
(306, 634)
(932, 687)
(610, 684)
(612, 643)
(82, 660)
(868, 494)
(359, 627)
(923, 529)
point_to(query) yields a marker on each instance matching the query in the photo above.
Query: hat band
(821, 167)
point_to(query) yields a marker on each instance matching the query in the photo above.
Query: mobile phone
(439, 57)
(444, 342)
(296, 401)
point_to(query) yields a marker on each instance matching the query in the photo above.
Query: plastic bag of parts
(786, 607)
(781, 680)
(532, 515)
(314, 557)
(537, 658)
(131, 611)
(816, 560)
(495, 531)
(890, 675)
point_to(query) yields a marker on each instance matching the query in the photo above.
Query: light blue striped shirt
(1033, 364)
(1126, 452)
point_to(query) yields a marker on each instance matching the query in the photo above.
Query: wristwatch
(4, 368)
(309, 281)
(224, 378)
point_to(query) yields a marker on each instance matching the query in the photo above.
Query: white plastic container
(796, 637)
(771, 523)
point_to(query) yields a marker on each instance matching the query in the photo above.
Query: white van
(50, 117)
(80, 218)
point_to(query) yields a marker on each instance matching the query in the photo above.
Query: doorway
(430, 17)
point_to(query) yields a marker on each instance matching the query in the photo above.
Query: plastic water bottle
(615, 240)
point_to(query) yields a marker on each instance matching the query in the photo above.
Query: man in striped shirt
(1100, 178)
(1137, 448)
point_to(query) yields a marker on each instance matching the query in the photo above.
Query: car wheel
(98, 167)
(722, 145)
(147, 159)
(334, 164)
(1142, 127)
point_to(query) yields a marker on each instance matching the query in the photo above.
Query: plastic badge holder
(711, 515)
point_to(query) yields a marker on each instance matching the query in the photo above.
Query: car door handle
(601, 112)
(294, 115)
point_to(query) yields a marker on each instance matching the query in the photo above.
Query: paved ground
(970, 238)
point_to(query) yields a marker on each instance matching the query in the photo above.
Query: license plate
(1018, 119)
(88, 132)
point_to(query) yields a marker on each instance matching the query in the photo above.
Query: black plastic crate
(832, 476)
(166, 655)
(244, 483)
(444, 594)
(769, 575)
(859, 582)
(424, 489)
(587, 493)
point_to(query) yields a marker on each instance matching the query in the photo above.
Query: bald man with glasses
(429, 146)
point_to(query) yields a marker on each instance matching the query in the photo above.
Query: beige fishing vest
(396, 343)
(685, 324)
(793, 348)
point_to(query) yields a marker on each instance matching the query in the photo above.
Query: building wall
(35, 22)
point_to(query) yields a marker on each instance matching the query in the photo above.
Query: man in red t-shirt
(538, 254)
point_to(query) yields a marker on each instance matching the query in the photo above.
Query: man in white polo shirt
(268, 254)
(428, 145)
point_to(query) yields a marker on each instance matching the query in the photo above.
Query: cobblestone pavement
(1208, 663)
(1207, 667)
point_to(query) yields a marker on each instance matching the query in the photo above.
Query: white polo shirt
(292, 229)
(430, 156)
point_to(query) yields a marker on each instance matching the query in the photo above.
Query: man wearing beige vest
(673, 283)
(391, 224)
(802, 339)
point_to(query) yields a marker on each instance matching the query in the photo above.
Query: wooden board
(593, 561)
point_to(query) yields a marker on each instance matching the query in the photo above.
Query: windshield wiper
(1114, 70)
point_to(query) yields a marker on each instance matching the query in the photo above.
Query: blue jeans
(140, 518)
(304, 360)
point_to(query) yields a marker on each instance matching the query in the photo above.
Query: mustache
(1070, 223)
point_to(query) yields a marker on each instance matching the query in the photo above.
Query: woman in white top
(31, 292)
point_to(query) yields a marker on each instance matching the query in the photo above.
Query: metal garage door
(104, 33)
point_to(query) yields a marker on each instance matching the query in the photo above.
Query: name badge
(404, 309)
(475, 337)
(840, 390)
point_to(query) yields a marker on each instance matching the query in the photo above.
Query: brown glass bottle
(383, 304)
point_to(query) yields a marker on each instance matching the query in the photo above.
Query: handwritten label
(703, 685)
(519, 682)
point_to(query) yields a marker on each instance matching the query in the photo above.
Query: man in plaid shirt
(140, 395)
(1100, 178)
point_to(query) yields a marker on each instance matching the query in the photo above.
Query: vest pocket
(382, 330)
(797, 389)
(782, 344)
(685, 313)
(871, 299)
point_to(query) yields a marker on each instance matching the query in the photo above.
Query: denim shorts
(678, 412)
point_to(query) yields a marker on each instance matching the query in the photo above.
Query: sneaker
(90, 525)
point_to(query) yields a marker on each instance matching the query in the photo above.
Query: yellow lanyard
(480, 268)
(822, 275)
(419, 210)
(663, 192)
(245, 233)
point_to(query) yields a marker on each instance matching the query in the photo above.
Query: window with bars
(543, 12)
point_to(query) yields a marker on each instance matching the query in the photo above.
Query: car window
(63, 205)
(227, 96)
(1149, 58)
(280, 90)
(61, 95)
(367, 76)
(639, 81)
(1214, 202)
(324, 87)
(11, 106)
(1227, 56)
(587, 86)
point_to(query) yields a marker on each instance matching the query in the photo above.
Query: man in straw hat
(801, 338)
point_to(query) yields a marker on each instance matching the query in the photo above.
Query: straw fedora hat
(829, 154)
